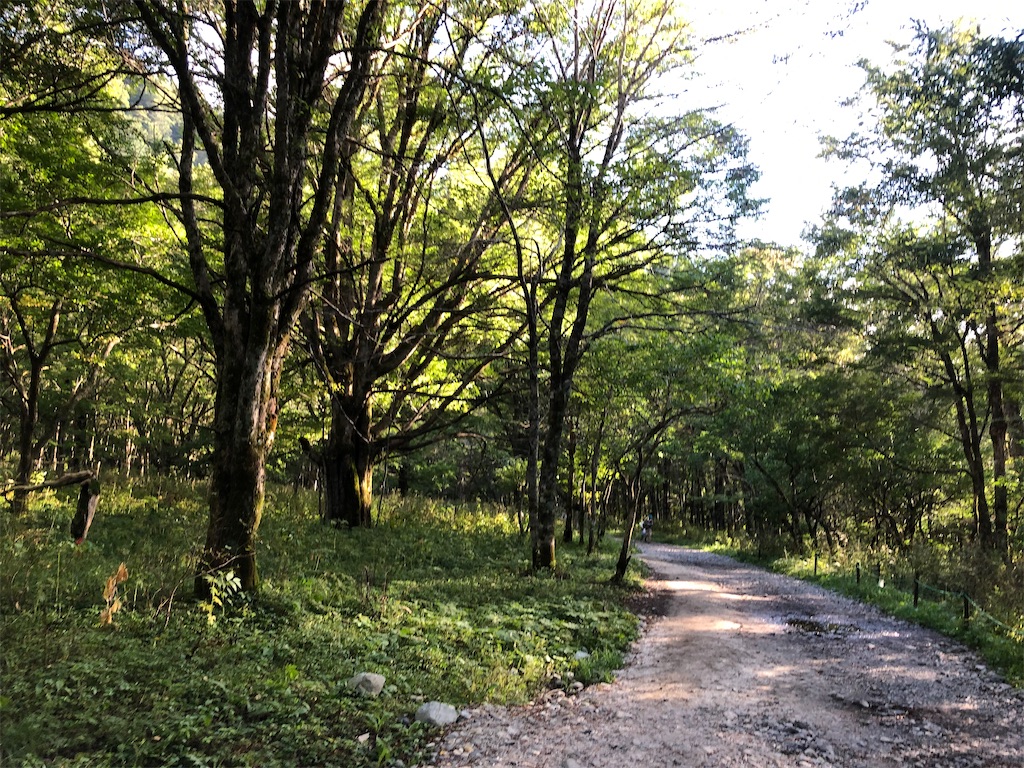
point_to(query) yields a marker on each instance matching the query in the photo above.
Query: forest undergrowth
(107, 659)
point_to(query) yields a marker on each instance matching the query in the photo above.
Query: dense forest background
(484, 253)
(493, 259)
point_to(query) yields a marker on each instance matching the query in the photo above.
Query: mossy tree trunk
(348, 461)
(245, 424)
(278, 94)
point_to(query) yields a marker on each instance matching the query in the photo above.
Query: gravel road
(749, 668)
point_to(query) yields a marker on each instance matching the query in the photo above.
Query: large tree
(266, 94)
(629, 182)
(950, 121)
(397, 328)
(262, 95)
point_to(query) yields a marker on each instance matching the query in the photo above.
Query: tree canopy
(482, 251)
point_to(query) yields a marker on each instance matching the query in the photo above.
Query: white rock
(436, 713)
(367, 684)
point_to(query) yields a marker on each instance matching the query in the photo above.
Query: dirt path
(748, 668)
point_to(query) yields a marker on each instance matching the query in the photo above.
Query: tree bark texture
(245, 423)
(275, 103)
(348, 461)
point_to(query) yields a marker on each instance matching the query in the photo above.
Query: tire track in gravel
(750, 668)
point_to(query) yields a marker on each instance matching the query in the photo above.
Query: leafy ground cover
(99, 669)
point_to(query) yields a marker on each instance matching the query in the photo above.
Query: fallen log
(71, 478)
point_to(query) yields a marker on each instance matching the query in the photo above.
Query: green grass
(438, 600)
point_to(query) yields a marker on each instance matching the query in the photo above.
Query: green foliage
(223, 586)
(436, 598)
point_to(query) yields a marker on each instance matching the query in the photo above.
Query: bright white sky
(782, 83)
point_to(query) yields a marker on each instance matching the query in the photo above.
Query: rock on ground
(436, 713)
(367, 684)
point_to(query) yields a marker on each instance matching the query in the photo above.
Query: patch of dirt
(749, 668)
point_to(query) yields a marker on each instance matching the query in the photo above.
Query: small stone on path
(436, 713)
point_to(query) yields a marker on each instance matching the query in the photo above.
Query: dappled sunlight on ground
(776, 672)
(687, 586)
(741, 667)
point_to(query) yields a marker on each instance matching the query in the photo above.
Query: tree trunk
(27, 422)
(720, 506)
(596, 528)
(970, 442)
(88, 500)
(981, 232)
(1014, 427)
(666, 490)
(570, 488)
(26, 462)
(348, 464)
(245, 423)
(997, 434)
(627, 535)
(543, 538)
(348, 483)
(236, 507)
(529, 285)
(564, 350)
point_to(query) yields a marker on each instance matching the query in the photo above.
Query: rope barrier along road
(976, 611)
